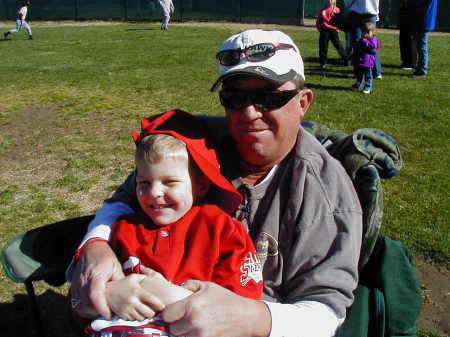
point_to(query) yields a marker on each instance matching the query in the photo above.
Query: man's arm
(234, 315)
(286, 320)
(97, 264)
(215, 311)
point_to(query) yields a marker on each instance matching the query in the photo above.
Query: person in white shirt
(167, 8)
(21, 22)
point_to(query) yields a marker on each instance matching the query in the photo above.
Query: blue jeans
(364, 74)
(421, 39)
(357, 35)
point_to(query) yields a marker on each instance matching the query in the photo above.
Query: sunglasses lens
(233, 99)
(229, 57)
(237, 99)
(260, 52)
(276, 99)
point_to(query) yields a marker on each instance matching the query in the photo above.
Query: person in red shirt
(328, 32)
(185, 230)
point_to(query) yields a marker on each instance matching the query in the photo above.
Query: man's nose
(252, 111)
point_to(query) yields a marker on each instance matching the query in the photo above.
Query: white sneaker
(366, 91)
(379, 77)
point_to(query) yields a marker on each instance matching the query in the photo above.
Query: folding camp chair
(45, 252)
(42, 254)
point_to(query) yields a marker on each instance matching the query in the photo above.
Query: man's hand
(213, 311)
(97, 265)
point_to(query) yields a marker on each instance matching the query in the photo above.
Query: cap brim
(259, 72)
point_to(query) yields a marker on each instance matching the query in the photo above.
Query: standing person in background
(167, 8)
(328, 32)
(365, 58)
(363, 11)
(20, 21)
(408, 53)
(424, 14)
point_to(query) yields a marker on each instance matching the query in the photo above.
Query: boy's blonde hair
(329, 3)
(370, 27)
(156, 147)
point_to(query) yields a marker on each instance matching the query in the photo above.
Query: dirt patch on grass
(435, 284)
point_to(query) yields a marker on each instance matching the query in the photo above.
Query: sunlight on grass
(98, 89)
(71, 97)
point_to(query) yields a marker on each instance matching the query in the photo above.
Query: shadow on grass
(138, 29)
(18, 320)
(393, 66)
(329, 87)
(331, 73)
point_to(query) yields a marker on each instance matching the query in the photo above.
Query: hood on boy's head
(193, 132)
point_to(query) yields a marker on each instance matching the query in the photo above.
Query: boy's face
(166, 190)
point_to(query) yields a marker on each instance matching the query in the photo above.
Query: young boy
(20, 21)
(179, 232)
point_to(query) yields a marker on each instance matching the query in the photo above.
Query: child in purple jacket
(365, 60)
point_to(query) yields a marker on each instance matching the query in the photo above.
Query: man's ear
(306, 98)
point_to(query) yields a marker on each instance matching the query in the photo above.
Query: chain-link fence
(291, 12)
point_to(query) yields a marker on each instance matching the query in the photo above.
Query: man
(424, 16)
(20, 21)
(300, 209)
(167, 8)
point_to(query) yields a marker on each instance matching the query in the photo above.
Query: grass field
(70, 98)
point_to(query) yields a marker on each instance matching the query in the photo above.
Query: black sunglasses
(237, 99)
(256, 53)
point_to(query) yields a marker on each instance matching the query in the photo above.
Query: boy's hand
(130, 301)
(167, 292)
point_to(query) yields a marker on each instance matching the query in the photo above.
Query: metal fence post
(181, 10)
(5, 5)
(76, 9)
(301, 13)
(240, 11)
(125, 10)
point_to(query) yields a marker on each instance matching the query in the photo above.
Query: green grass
(70, 98)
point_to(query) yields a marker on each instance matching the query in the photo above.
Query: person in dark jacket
(408, 52)
(424, 14)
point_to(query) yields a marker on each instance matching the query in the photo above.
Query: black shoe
(323, 67)
(5, 35)
(30, 37)
(419, 74)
